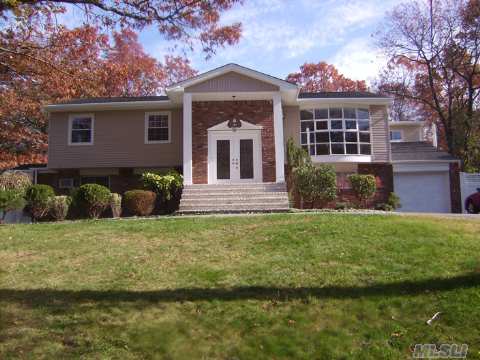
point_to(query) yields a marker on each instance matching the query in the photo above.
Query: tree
(78, 63)
(435, 52)
(324, 77)
(183, 21)
(42, 61)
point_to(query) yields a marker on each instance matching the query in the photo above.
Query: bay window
(335, 131)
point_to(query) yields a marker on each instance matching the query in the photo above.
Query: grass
(285, 286)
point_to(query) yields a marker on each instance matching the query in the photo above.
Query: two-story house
(226, 128)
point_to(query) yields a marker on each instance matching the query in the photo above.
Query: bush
(394, 201)
(342, 206)
(10, 200)
(17, 180)
(93, 199)
(315, 182)
(116, 205)
(139, 202)
(364, 186)
(384, 207)
(39, 198)
(166, 186)
(296, 156)
(59, 207)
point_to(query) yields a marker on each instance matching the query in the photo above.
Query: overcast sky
(280, 35)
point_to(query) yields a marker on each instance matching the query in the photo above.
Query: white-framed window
(396, 135)
(158, 127)
(65, 183)
(335, 131)
(80, 129)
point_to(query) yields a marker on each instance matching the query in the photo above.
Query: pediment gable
(224, 126)
(231, 82)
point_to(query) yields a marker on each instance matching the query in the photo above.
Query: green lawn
(306, 286)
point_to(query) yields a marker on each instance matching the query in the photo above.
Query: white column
(278, 134)
(187, 139)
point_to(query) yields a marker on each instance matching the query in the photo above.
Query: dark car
(472, 203)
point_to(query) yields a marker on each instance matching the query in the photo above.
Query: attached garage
(421, 177)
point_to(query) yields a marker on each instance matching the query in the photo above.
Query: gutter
(367, 101)
(108, 106)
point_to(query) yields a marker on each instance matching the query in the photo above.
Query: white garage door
(423, 191)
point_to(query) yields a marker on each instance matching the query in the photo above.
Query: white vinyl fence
(468, 185)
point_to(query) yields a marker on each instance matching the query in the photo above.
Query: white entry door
(235, 157)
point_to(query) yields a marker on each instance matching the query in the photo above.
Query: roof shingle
(421, 150)
(104, 100)
(339, 94)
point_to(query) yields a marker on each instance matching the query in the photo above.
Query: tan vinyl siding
(379, 133)
(231, 82)
(119, 141)
(291, 123)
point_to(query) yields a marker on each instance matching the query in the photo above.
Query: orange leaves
(324, 77)
(78, 63)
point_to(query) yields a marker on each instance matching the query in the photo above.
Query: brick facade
(206, 114)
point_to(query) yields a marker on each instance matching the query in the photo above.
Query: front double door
(236, 157)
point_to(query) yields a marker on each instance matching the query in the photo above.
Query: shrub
(39, 198)
(315, 182)
(59, 207)
(166, 186)
(341, 206)
(394, 201)
(10, 200)
(139, 202)
(364, 186)
(14, 180)
(325, 183)
(384, 207)
(93, 199)
(296, 156)
(116, 205)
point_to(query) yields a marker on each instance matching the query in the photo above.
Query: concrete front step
(231, 209)
(236, 187)
(229, 196)
(240, 202)
(263, 197)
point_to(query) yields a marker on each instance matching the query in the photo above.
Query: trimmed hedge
(60, 206)
(39, 198)
(93, 199)
(139, 202)
(10, 200)
(364, 186)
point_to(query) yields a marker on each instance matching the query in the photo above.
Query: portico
(233, 126)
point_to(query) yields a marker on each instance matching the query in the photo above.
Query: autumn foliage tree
(324, 77)
(434, 69)
(42, 61)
